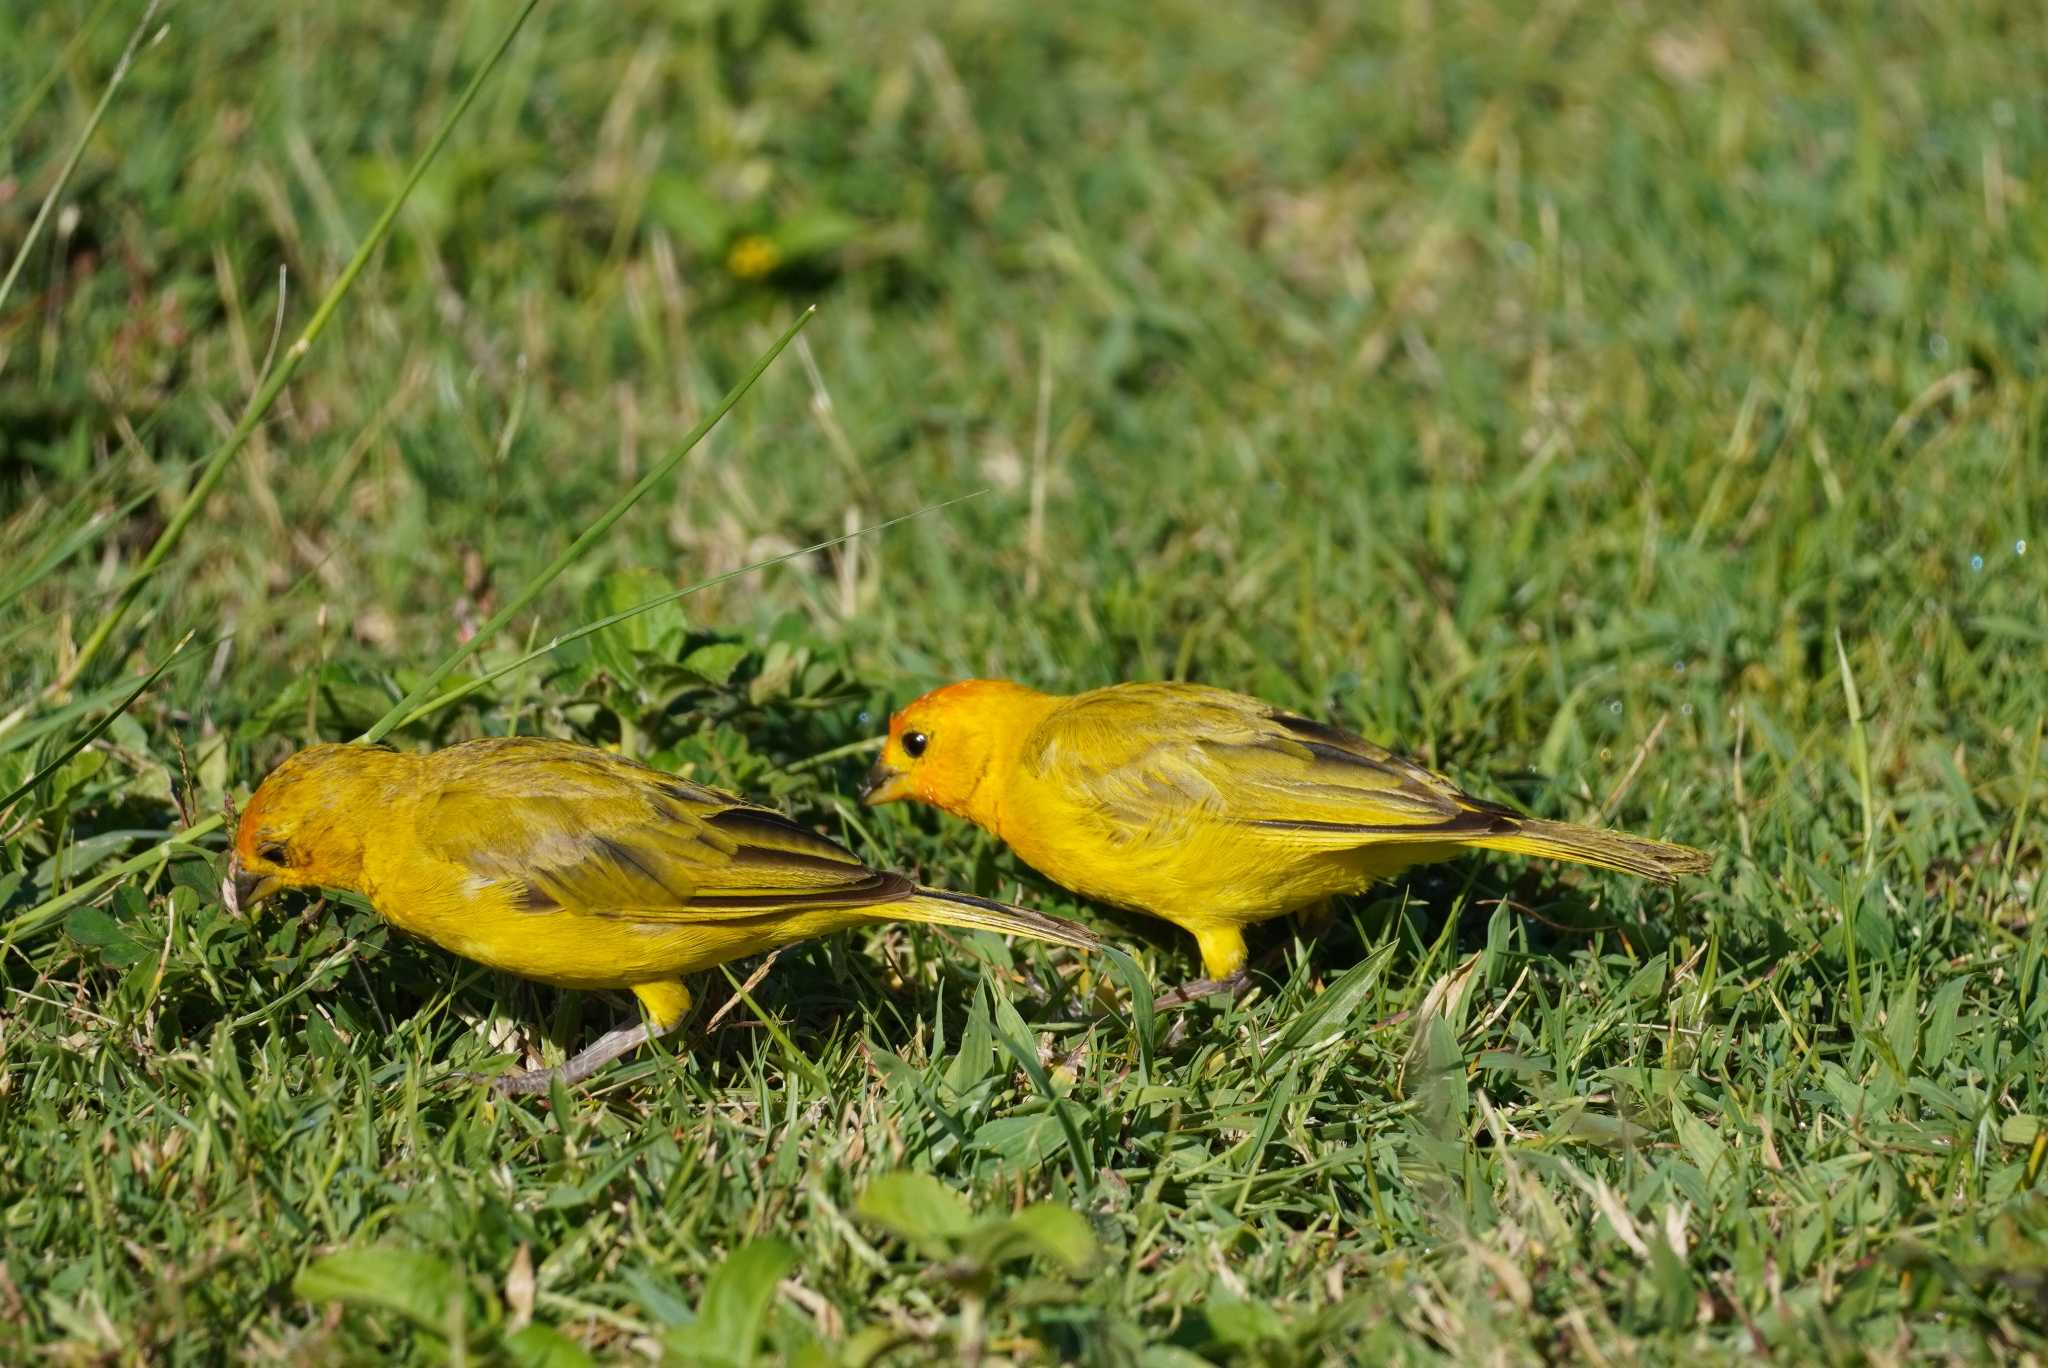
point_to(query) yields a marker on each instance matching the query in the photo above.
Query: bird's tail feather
(1659, 860)
(940, 908)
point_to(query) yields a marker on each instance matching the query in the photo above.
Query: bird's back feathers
(1166, 796)
(579, 828)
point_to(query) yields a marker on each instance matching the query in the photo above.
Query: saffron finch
(1210, 809)
(576, 867)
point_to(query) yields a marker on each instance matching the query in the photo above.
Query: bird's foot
(520, 1082)
(1234, 984)
(599, 1053)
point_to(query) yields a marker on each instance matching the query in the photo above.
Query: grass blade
(48, 80)
(56, 719)
(92, 733)
(47, 911)
(1144, 1020)
(404, 708)
(1859, 753)
(1016, 1038)
(434, 705)
(69, 544)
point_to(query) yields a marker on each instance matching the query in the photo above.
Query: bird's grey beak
(251, 889)
(884, 784)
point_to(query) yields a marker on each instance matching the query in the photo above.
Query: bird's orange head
(946, 747)
(306, 824)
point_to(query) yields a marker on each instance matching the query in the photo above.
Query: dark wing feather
(566, 826)
(1142, 753)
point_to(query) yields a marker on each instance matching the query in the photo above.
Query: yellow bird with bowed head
(576, 867)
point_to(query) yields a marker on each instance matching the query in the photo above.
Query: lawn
(1639, 414)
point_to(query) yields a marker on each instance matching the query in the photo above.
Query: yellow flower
(752, 257)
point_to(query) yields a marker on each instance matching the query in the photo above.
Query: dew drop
(865, 717)
(1614, 706)
(2019, 548)
(1937, 346)
(1976, 562)
(1685, 709)
(1678, 667)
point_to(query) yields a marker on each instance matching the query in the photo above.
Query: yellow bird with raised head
(576, 867)
(1210, 809)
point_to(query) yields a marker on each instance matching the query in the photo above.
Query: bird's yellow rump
(1210, 809)
(567, 864)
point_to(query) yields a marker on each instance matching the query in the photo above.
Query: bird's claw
(521, 1082)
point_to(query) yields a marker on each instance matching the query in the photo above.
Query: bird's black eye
(273, 852)
(914, 744)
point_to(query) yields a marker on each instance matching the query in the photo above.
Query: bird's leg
(666, 1004)
(1223, 955)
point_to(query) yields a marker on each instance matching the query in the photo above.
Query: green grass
(1633, 416)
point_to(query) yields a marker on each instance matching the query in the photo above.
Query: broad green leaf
(1022, 1141)
(1902, 1024)
(814, 232)
(1940, 1036)
(1647, 982)
(656, 634)
(1246, 1325)
(693, 214)
(539, 1346)
(734, 1309)
(1059, 1233)
(917, 1207)
(715, 663)
(95, 927)
(1704, 1145)
(974, 1056)
(779, 670)
(419, 1287)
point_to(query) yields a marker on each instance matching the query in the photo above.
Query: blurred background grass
(1517, 383)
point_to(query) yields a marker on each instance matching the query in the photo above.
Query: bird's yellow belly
(579, 950)
(588, 952)
(1197, 873)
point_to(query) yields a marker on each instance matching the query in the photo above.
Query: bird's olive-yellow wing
(1149, 756)
(565, 827)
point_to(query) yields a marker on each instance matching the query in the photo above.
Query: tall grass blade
(434, 705)
(47, 911)
(68, 545)
(92, 126)
(1859, 753)
(217, 464)
(92, 733)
